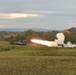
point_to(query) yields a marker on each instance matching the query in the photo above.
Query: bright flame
(56, 43)
(59, 40)
(44, 42)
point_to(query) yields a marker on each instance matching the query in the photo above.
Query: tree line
(26, 36)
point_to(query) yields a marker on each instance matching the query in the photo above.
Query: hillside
(25, 29)
(73, 29)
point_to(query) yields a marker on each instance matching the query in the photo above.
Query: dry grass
(37, 60)
(38, 65)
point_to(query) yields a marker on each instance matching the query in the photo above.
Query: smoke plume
(69, 44)
(56, 43)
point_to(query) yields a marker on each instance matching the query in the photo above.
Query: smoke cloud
(59, 42)
(69, 44)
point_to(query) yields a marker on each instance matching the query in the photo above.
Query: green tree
(30, 34)
(12, 38)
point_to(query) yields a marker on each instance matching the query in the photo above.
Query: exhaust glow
(55, 43)
(44, 42)
(59, 41)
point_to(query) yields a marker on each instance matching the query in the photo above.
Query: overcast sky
(49, 14)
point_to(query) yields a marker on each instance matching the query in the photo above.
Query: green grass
(36, 51)
(36, 60)
(32, 65)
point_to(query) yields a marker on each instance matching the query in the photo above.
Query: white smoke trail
(45, 42)
(59, 41)
(69, 44)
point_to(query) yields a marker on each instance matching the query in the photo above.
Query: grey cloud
(55, 14)
(23, 5)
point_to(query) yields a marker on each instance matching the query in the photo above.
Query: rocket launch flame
(44, 42)
(60, 40)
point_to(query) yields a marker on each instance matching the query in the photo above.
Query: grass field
(36, 60)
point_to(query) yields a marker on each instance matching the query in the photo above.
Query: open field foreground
(37, 60)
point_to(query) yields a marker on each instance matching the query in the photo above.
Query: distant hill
(25, 29)
(73, 29)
